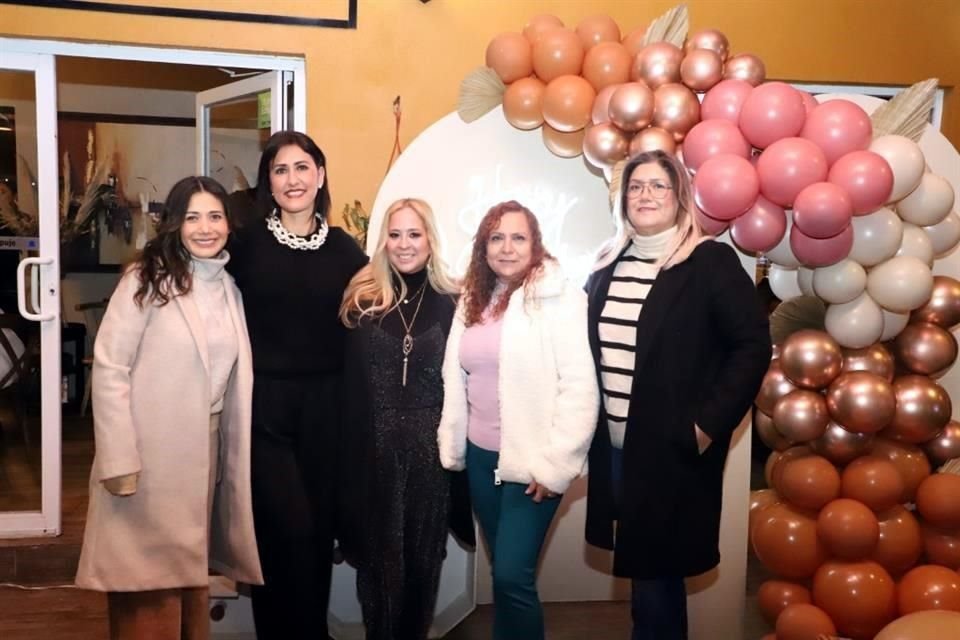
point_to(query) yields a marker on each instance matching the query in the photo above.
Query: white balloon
(916, 243)
(782, 254)
(945, 235)
(900, 284)
(893, 324)
(855, 324)
(805, 281)
(840, 282)
(929, 203)
(905, 159)
(876, 237)
(783, 282)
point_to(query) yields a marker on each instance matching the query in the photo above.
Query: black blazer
(703, 346)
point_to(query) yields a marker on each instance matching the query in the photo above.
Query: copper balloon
(925, 348)
(539, 25)
(760, 500)
(840, 446)
(606, 64)
(631, 106)
(769, 465)
(560, 143)
(657, 64)
(900, 543)
(861, 401)
(943, 308)
(801, 415)
(811, 358)
(675, 109)
(860, 597)
(777, 459)
(604, 145)
(768, 432)
(596, 30)
(701, 69)
(938, 500)
(523, 103)
(929, 587)
(803, 621)
(785, 540)
(848, 528)
(873, 481)
(875, 359)
(775, 385)
(808, 482)
(910, 461)
(941, 546)
(709, 39)
(653, 139)
(567, 103)
(747, 67)
(923, 409)
(557, 52)
(774, 596)
(510, 55)
(945, 446)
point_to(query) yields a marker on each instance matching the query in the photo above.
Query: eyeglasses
(658, 190)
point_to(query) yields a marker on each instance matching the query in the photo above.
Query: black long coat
(703, 346)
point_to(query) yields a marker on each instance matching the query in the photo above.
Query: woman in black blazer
(681, 345)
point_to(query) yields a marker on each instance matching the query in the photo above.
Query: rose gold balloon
(567, 103)
(539, 25)
(923, 409)
(633, 41)
(768, 433)
(775, 385)
(925, 348)
(900, 544)
(597, 29)
(701, 69)
(938, 500)
(565, 145)
(604, 145)
(653, 139)
(774, 596)
(861, 401)
(709, 39)
(556, 53)
(606, 64)
(811, 358)
(849, 529)
(747, 67)
(657, 64)
(631, 106)
(859, 597)
(840, 446)
(873, 481)
(875, 359)
(523, 103)
(808, 482)
(941, 546)
(510, 55)
(801, 415)
(910, 461)
(785, 540)
(943, 308)
(675, 109)
(601, 105)
(945, 446)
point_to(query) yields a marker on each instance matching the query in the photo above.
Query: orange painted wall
(422, 51)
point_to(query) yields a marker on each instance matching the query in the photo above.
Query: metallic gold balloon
(701, 69)
(943, 308)
(925, 348)
(768, 433)
(631, 106)
(657, 64)
(875, 359)
(604, 145)
(709, 39)
(945, 446)
(811, 358)
(861, 401)
(840, 446)
(560, 143)
(675, 109)
(747, 67)
(652, 139)
(775, 385)
(923, 409)
(801, 415)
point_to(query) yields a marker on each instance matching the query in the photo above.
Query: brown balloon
(900, 543)
(653, 139)
(943, 308)
(873, 481)
(606, 64)
(808, 482)
(604, 145)
(768, 432)
(701, 69)
(804, 621)
(510, 55)
(565, 145)
(861, 401)
(633, 41)
(840, 446)
(709, 39)
(657, 64)
(929, 587)
(945, 446)
(910, 461)
(523, 103)
(923, 409)
(775, 465)
(875, 359)
(631, 106)
(938, 500)
(675, 109)
(567, 103)
(785, 540)
(556, 53)
(774, 596)
(597, 29)
(860, 597)
(601, 105)
(760, 500)
(746, 67)
(941, 546)
(925, 348)
(775, 385)
(849, 529)
(801, 415)
(539, 25)
(811, 358)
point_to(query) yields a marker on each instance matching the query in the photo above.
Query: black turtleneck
(435, 308)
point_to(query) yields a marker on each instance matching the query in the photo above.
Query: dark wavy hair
(480, 280)
(164, 264)
(279, 140)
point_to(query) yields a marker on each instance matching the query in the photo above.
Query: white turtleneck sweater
(632, 278)
(210, 296)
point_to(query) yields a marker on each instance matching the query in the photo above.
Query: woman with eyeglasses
(680, 345)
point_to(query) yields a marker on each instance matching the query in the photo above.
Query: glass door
(30, 361)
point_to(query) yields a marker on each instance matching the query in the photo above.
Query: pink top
(480, 358)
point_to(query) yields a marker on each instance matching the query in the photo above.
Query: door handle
(34, 290)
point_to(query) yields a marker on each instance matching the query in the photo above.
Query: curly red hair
(479, 283)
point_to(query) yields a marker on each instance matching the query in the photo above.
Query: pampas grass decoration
(616, 179)
(907, 113)
(480, 92)
(671, 27)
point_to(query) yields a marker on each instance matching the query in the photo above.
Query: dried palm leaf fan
(480, 92)
(907, 113)
(616, 179)
(802, 312)
(671, 27)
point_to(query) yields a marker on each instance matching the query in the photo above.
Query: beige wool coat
(151, 406)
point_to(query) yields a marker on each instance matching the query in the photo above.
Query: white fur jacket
(547, 387)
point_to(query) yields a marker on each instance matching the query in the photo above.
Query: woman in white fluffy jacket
(520, 402)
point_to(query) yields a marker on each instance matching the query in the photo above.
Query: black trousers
(295, 424)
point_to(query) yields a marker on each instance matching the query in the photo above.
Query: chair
(92, 316)
(19, 368)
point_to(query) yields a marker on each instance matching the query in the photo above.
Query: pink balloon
(821, 252)
(725, 186)
(761, 228)
(822, 210)
(866, 177)
(809, 102)
(710, 225)
(725, 100)
(710, 138)
(838, 127)
(771, 112)
(788, 166)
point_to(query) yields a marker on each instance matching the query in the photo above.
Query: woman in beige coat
(172, 383)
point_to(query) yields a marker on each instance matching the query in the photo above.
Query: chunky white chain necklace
(284, 237)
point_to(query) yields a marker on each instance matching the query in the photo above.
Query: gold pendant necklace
(407, 344)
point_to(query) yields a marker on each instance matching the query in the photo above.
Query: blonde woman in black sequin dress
(397, 501)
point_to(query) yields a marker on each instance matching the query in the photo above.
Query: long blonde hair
(371, 290)
(689, 232)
